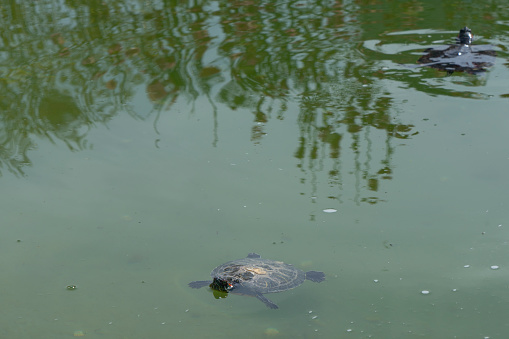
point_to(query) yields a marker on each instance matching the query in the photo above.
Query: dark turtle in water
(254, 276)
(460, 57)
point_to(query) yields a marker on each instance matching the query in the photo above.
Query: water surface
(145, 143)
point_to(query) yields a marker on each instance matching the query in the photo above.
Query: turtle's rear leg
(315, 276)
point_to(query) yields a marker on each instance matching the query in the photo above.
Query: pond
(144, 143)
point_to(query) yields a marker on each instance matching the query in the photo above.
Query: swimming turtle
(254, 276)
(460, 57)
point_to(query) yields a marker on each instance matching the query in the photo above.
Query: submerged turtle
(254, 276)
(460, 57)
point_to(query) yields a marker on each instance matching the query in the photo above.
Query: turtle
(461, 56)
(254, 276)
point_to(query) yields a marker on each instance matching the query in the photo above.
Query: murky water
(143, 143)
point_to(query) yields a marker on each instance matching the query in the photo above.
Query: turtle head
(222, 285)
(465, 37)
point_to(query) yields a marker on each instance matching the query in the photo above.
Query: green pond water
(143, 143)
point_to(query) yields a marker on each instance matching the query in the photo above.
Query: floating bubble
(376, 280)
(466, 266)
(425, 292)
(494, 267)
(330, 210)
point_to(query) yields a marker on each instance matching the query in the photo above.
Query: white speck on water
(314, 317)
(349, 330)
(466, 266)
(454, 289)
(187, 310)
(163, 323)
(494, 267)
(310, 312)
(425, 292)
(111, 322)
(376, 280)
(330, 210)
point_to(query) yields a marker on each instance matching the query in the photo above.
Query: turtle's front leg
(266, 301)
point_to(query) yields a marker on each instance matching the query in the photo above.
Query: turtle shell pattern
(261, 275)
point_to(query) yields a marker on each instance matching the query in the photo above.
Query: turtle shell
(260, 275)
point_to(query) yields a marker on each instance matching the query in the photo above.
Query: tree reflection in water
(68, 67)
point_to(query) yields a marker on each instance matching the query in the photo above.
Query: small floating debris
(466, 266)
(425, 292)
(71, 287)
(494, 267)
(330, 210)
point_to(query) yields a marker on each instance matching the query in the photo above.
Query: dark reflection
(59, 116)
(461, 56)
